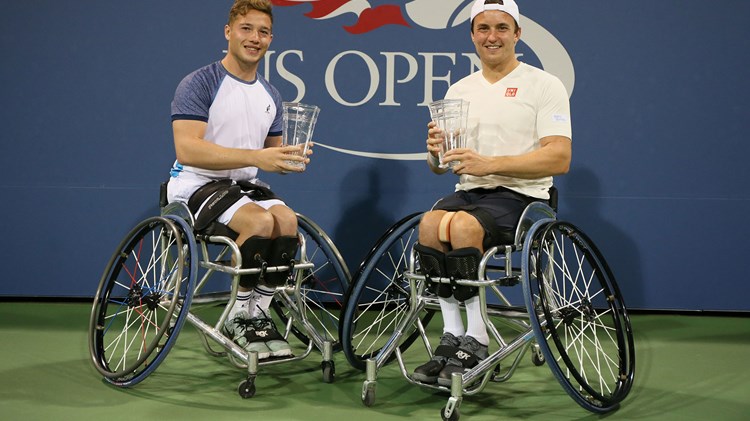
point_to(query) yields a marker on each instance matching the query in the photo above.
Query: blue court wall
(659, 97)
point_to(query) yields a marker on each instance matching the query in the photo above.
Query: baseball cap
(508, 6)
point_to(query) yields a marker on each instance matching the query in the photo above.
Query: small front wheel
(247, 389)
(329, 371)
(453, 416)
(537, 358)
(369, 398)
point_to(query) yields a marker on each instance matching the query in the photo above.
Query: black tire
(328, 369)
(578, 315)
(455, 415)
(142, 300)
(379, 296)
(323, 287)
(246, 389)
(369, 398)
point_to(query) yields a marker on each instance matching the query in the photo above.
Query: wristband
(435, 161)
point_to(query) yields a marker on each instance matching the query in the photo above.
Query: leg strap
(254, 251)
(463, 263)
(444, 228)
(283, 250)
(432, 264)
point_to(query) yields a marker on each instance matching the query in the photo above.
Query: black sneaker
(469, 354)
(428, 372)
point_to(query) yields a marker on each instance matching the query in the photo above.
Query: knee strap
(463, 263)
(254, 251)
(282, 252)
(444, 227)
(432, 263)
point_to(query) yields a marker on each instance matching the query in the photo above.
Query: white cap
(508, 6)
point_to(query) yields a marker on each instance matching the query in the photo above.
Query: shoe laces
(469, 343)
(241, 323)
(261, 323)
(449, 339)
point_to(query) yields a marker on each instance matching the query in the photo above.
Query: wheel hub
(136, 298)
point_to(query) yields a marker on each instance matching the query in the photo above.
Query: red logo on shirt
(511, 91)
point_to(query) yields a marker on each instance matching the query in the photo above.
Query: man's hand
(469, 162)
(280, 158)
(435, 139)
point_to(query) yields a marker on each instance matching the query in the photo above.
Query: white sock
(452, 322)
(475, 325)
(262, 297)
(242, 304)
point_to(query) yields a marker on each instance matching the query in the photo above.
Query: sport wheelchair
(569, 312)
(152, 280)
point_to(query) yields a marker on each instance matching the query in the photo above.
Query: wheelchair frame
(565, 281)
(147, 289)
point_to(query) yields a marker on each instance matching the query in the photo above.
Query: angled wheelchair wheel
(323, 287)
(578, 315)
(142, 300)
(378, 298)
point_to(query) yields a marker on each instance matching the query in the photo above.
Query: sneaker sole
(444, 382)
(282, 353)
(448, 382)
(423, 378)
(259, 347)
(262, 355)
(279, 348)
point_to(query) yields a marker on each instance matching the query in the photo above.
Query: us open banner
(659, 104)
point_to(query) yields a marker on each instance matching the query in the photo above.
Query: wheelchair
(157, 275)
(568, 311)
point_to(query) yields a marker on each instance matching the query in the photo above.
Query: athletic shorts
(228, 214)
(497, 210)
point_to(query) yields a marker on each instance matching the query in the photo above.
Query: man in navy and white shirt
(227, 125)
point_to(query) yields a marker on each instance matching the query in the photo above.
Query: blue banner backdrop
(658, 94)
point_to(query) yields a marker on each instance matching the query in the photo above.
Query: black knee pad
(432, 264)
(463, 263)
(254, 251)
(282, 252)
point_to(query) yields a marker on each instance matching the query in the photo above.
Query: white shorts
(228, 214)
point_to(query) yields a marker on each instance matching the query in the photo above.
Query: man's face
(495, 36)
(249, 37)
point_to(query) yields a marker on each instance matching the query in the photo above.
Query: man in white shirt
(519, 136)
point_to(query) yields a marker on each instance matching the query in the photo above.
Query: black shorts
(497, 210)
